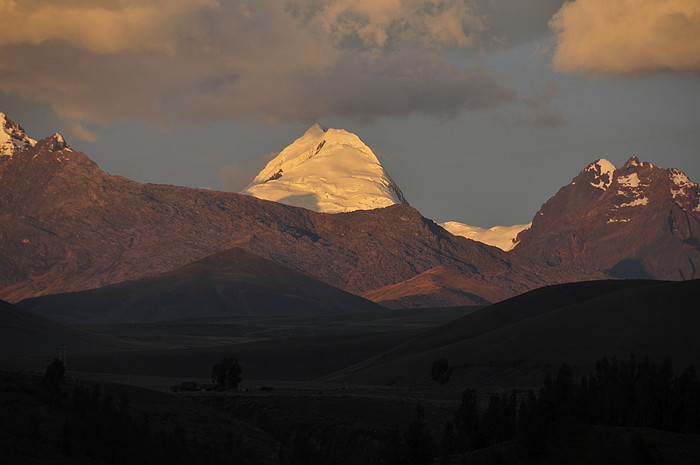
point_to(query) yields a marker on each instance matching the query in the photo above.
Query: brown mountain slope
(638, 221)
(515, 342)
(232, 282)
(68, 226)
(437, 286)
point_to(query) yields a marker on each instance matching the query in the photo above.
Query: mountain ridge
(70, 226)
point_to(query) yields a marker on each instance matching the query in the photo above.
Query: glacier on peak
(503, 237)
(13, 138)
(326, 170)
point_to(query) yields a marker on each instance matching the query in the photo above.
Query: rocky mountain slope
(327, 170)
(637, 221)
(437, 287)
(68, 226)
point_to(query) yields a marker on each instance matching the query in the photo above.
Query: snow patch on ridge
(636, 202)
(629, 181)
(603, 172)
(681, 183)
(632, 188)
(502, 237)
(329, 171)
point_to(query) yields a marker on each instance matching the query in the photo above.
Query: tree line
(615, 393)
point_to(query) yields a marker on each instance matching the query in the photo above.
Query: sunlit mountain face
(329, 171)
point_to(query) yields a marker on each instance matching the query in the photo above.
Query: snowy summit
(329, 171)
(13, 139)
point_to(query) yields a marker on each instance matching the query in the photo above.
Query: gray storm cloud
(197, 60)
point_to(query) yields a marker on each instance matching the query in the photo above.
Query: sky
(480, 110)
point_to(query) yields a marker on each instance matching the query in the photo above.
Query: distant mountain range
(68, 226)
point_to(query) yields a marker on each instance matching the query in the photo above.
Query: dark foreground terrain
(86, 421)
(546, 378)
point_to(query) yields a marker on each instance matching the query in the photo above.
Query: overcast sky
(479, 109)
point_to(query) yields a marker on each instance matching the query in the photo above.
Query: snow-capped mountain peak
(326, 170)
(13, 139)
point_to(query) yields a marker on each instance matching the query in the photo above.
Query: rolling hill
(515, 342)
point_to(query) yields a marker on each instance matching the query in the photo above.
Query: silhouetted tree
(54, 376)
(227, 373)
(533, 427)
(419, 444)
(441, 371)
(499, 421)
(466, 423)
(563, 395)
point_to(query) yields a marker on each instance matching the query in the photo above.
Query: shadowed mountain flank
(25, 334)
(228, 283)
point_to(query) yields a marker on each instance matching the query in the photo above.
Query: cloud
(513, 22)
(235, 177)
(99, 26)
(169, 61)
(628, 37)
(535, 111)
(372, 24)
(81, 132)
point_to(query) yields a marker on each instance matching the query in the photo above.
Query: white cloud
(628, 37)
